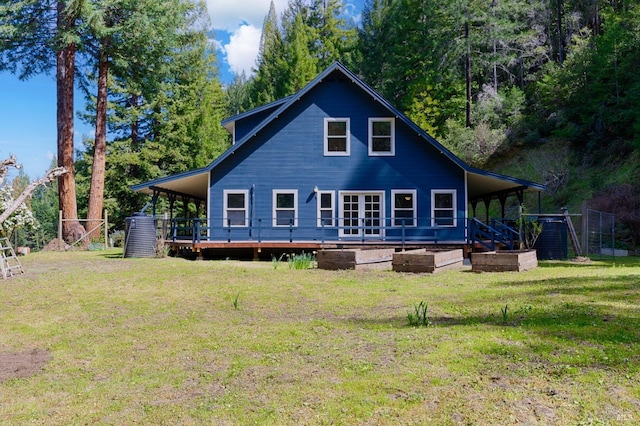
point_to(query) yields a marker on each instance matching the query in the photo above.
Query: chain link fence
(600, 231)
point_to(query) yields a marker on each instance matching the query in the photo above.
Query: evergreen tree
(297, 65)
(37, 36)
(267, 83)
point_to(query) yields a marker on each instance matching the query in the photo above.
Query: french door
(361, 214)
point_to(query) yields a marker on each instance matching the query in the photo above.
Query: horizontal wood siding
(289, 155)
(244, 126)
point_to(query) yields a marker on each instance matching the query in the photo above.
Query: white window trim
(414, 207)
(453, 193)
(225, 208)
(320, 209)
(390, 153)
(275, 206)
(347, 151)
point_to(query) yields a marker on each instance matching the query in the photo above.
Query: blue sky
(28, 108)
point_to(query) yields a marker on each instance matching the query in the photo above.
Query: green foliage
(419, 318)
(310, 37)
(505, 313)
(301, 261)
(275, 261)
(236, 302)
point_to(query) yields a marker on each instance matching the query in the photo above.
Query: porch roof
(481, 184)
(194, 184)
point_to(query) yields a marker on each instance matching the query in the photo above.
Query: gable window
(285, 207)
(382, 136)
(404, 207)
(336, 136)
(235, 207)
(326, 208)
(443, 207)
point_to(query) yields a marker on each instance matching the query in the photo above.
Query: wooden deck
(264, 250)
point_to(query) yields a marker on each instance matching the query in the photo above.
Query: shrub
(624, 202)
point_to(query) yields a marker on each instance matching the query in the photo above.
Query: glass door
(361, 214)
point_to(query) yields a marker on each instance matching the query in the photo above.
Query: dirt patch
(15, 365)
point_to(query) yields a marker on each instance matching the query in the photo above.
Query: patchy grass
(170, 341)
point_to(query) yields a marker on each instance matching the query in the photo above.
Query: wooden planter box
(421, 260)
(504, 261)
(355, 259)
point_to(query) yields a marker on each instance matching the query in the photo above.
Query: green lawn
(172, 341)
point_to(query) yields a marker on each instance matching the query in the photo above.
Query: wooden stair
(572, 233)
(9, 263)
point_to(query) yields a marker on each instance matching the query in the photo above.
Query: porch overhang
(483, 186)
(194, 185)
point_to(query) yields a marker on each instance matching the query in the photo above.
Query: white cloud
(243, 21)
(242, 49)
(228, 15)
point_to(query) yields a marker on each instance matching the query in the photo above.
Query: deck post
(290, 230)
(196, 231)
(403, 232)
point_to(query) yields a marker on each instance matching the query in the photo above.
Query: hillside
(604, 182)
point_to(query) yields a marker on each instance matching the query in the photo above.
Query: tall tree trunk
(559, 10)
(96, 191)
(467, 73)
(65, 67)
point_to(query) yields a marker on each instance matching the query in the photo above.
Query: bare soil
(15, 365)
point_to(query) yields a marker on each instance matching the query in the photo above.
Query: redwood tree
(38, 36)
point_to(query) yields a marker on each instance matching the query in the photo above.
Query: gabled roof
(229, 123)
(480, 181)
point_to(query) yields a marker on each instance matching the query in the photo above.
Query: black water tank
(140, 236)
(552, 242)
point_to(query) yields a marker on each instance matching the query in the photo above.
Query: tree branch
(49, 177)
(4, 167)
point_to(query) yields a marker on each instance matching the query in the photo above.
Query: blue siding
(244, 126)
(289, 154)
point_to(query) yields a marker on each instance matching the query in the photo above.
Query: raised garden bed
(504, 261)
(423, 261)
(335, 259)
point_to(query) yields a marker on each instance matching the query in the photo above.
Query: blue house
(333, 164)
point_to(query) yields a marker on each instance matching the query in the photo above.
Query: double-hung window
(443, 207)
(326, 208)
(235, 207)
(382, 139)
(404, 207)
(337, 140)
(285, 207)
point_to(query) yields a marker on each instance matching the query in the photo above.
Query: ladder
(572, 233)
(9, 263)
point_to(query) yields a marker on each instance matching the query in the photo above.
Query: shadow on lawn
(587, 321)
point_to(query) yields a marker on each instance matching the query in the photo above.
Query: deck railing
(489, 236)
(400, 230)
(297, 229)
